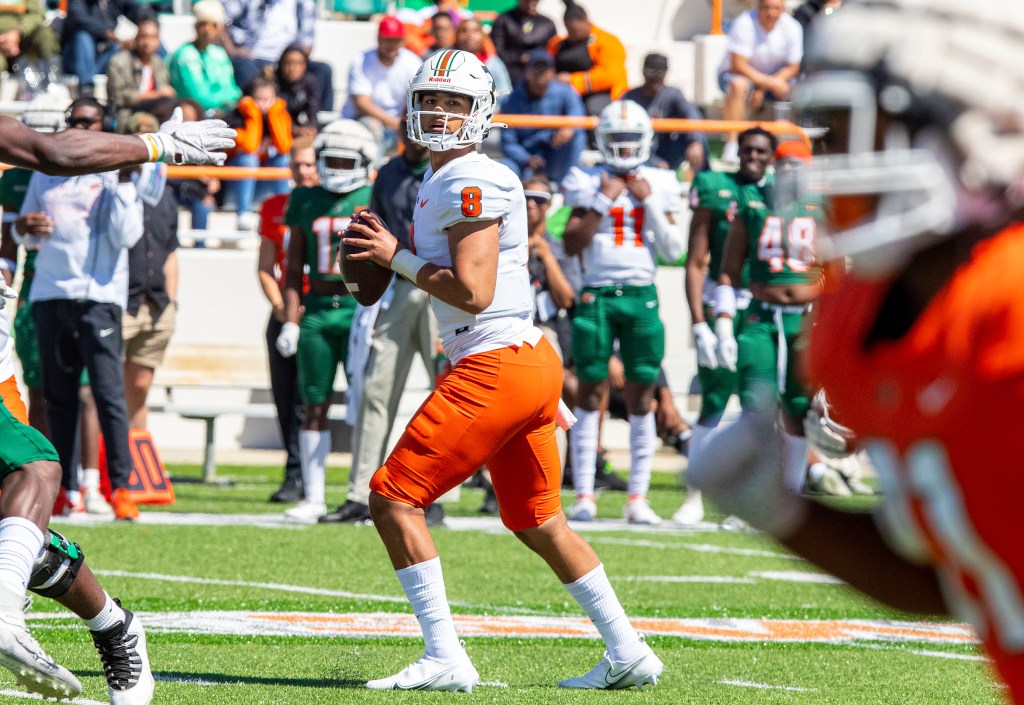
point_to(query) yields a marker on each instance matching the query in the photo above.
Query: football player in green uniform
(713, 198)
(776, 239)
(345, 152)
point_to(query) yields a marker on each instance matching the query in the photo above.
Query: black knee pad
(56, 570)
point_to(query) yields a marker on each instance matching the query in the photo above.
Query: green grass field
(335, 571)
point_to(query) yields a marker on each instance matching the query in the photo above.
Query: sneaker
(734, 523)
(490, 505)
(125, 662)
(68, 504)
(348, 513)
(692, 510)
(95, 504)
(289, 491)
(849, 470)
(618, 675)
(434, 514)
(825, 480)
(583, 509)
(125, 508)
(604, 478)
(638, 511)
(21, 654)
(428, 673)
(305, 512)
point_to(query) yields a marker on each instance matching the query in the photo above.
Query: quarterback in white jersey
(499, 405)
(623, 219)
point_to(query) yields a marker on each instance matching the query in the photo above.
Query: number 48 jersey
(622, 250)
(780, 240)
(323, 215)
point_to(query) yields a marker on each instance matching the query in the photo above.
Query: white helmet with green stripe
(450, 72)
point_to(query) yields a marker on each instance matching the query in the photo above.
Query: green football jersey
(719, 191)
(323, 216)
(781, 240)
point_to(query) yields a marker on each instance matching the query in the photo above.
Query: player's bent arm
(558, 285)
(865, 561)
(696, 263)
(580, 230)
(293, 275)
(70, 152)
(470, 282)
(265, 273)
(668, 238)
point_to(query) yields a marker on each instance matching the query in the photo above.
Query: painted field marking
(699, 547)
(765, 686)
(22, 695)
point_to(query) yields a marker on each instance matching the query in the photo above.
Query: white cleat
(638, 511)
(125, 662)
(305, 512)
(95, 504)
(21, 654)
(822, 479)
(691, 512)
(583, 509)
(618, 675)
(428, 673)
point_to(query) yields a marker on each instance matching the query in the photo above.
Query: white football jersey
(475, 187)
(622, 250)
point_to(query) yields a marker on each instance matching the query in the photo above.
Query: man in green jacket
(202, 70)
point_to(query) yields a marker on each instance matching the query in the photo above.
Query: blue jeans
(243, 193)
(81, 57)
(557, 162)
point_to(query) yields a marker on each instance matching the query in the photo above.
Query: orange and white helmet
(452, 71)
(624, 135)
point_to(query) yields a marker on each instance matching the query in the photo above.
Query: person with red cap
(774, 238)
(378, 81)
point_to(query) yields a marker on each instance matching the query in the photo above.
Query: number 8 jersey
(474, 187)
(622, 250)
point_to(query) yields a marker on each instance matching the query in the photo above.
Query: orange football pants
(496, 409)
(11, 398)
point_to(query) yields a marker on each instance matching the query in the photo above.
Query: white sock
(21, 542)
(795, 470)
(74, 496)
(110, 615)
(583, 446)
(595, 595)
(313, 449)
(90, 479)
(642, 435)
(424, 587)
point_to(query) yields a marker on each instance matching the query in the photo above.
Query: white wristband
(407, 264)
(725, 301)
(601, 204)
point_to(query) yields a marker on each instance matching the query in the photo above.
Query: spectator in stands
(589, 59)
(264, 139)
(298, 88)
(259, 31)
(152, 310)
(202, 70)
(403, 329)
(470, 37)
(378, 82)
(84, 226)
(663, 101)
(273, 264)
(89, 41)
(25, 37)
(442, 32)
(137, 78)
(547, 152)
(517, 33)
(197, 195)
(764, 53)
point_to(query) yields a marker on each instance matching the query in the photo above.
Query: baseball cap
(656, 62)
(390, 28)
(540, 57)
(793, 149)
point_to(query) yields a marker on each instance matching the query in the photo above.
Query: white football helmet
(624, 135)
(452, 71)
(924, 105)
(351, 143)
(45, 112)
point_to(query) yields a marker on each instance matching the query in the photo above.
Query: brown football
(366, 280)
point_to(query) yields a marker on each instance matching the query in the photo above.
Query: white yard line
(765, 686)
(22, 695)
(698, 547)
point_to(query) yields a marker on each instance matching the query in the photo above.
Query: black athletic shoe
(290, 491)
(490, 505)
(434, 514)
(348, 513)
(605, 479)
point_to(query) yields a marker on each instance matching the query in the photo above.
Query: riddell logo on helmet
(435, 79)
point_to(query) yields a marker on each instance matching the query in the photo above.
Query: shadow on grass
(187, 678)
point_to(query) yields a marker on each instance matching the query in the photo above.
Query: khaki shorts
(146, 339)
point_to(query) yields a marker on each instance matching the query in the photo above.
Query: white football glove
(706, 343)
(728, 351)
(6, 293)
(288, 340)
(198, 142)
(740, 469)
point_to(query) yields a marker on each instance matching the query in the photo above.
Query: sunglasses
(538, 198)
(82, 121)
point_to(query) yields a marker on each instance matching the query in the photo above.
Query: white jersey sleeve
(580, 186)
